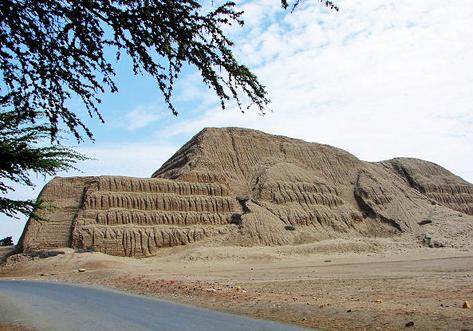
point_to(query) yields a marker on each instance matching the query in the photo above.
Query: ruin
(245, 187)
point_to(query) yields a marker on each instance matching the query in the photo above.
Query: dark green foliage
(21, 155)
(7, 241)
(327, 3)
(51, 50)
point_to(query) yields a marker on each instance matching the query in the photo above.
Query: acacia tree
(22, 154)
(52, 50)
(327, 3)
(55, 50)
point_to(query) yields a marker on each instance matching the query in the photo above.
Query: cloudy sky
(379, 78)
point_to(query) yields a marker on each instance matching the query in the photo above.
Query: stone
(466, 305)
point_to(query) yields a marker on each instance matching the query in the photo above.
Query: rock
(81, 270)
(211, 290)
(466, 305)
(424, 222)
(379, 301)
(409, 324)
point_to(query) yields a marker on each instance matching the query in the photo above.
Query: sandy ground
(333, 285)
(13, 327)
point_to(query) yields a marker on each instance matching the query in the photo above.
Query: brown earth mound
(245, 187)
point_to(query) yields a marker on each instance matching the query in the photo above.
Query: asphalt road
(55, 306)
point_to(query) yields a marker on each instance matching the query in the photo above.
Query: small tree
(7, 241)
(21, 154)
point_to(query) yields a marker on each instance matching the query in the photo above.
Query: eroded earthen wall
(247, 188)
(135, 217)
(61, 199)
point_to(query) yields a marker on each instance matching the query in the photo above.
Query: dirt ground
(13, 327)
(333, 285)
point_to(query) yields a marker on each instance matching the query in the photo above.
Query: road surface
(56, 306)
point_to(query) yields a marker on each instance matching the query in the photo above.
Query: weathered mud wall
(128, 216)
(61, 199)
(245, 187)
(435, 183)
(135, 217)
(309, 184)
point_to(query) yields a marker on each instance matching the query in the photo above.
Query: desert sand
(379, 285)
(13, 327)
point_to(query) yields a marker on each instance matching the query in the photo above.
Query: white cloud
(380, 78)
(143, 115)
(138, 159)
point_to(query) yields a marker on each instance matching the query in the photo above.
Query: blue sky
(379, 78)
